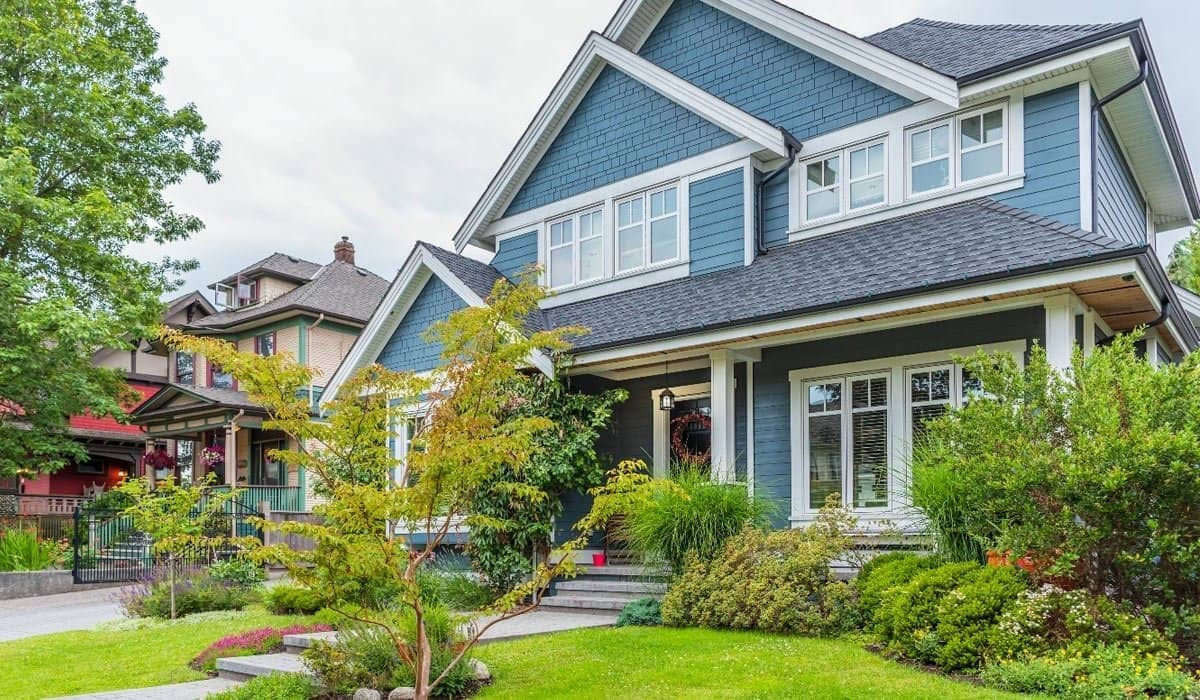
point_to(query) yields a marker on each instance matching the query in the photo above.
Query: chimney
(343, 250)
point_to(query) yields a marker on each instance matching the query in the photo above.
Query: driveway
(26, 617)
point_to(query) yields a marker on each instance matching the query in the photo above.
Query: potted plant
(162, 463)
(212, 456)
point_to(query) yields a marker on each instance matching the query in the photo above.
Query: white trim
(724, 416)
(621, 282)
(749, 191)
(823, 40)
(1060, 330)
(752, 333)
(896, 369)
(1085, 156)
(565, 96)
(662, 422)
(750, 426)
(1042, 70)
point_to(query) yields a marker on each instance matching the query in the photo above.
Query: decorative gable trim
(635, 19)
(417, 270)
(596, 52)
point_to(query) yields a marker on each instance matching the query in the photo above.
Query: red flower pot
(599, 559)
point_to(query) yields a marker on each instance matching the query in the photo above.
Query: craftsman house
(781, 234)
(278, 304)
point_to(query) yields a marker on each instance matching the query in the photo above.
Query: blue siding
(1051, 157)
(1120, 209)
(772, 397)
(620, 128)
(514, 255)
(407, 349)
(761, 74)
(775, 211)
(717, 222)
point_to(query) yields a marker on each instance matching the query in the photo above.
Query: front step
(579, 602)
(627, 572)
(243, 668)
(296, 643)
(639, 588)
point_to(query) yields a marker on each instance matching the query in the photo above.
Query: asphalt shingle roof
(961, 50)
(279, 264)
(478, 276)
(339, 289)
(942, 247)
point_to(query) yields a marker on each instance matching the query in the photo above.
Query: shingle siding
(620, 128)
(775, 210)
(772, 390)
(1051, 157)
(407, 348)
(1120, 209)
(515, 255)
(761, 74)
(717, 222)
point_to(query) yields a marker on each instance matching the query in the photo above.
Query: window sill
(618, 283)
(913, 204)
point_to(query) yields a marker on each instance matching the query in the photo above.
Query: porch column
(724, 442)
(231, 454)
(148, 471)
(1060, 331)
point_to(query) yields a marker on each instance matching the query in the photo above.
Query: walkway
(26, 617)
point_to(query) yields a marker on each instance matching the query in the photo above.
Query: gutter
(308, 356)
(793, 149)
(1097, 115)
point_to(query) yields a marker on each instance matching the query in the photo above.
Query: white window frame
(953, 401)
(401, 437)
(846, 414)
(551, 248)
(954, 180)
(844, 181)
(597, 233)
(643, 198)
(959, 151)
(950, 157)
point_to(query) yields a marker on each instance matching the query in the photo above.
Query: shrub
(365, 656)
(193, 594)
(457, 590)
(643, 612)
(884, 572)
(1108, 671)
(966, 616)
(776, 582)
(694, 519)
(21, 550)
(287, 599)
(907, 618)
(1050, 619)
(265, 640)
(239, 572)
(277, 686)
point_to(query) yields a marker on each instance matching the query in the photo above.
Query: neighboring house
(780, 235)
(280, 304)
(114, 449)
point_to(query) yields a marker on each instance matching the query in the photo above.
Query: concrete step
(296, 643)
(243, 668)
(577, 602)
(639, 588)
(620, 571)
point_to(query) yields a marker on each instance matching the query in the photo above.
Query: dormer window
(979, 151)
(830, 191)
(648, 237)
(576, 249)
(247, 292)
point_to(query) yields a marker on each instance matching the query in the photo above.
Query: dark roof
(964, 50)
(222, 398)
(338, 289)
(280, 265)
(945, 247)
(478, 276)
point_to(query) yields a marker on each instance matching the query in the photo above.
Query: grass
(640, 662)
(111, 658)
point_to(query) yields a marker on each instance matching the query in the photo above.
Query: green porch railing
(289, 498)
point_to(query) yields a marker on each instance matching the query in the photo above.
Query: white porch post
(1060, 326)
(724, 442)
(231, 454)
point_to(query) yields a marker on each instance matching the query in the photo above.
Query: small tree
(1184, 266)
(468, 438)
(179, 518)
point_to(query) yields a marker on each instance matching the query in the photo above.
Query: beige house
(280, 304)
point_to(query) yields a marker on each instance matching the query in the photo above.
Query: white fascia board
(1040, 71)
(905, 77)
(752, 333)
(565, 97)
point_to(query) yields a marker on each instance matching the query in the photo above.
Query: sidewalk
(26, 617)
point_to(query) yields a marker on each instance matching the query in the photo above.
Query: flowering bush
(265, 640)
(1107, 671)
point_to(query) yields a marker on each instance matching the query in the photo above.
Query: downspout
(793, 150)
(1143, 73)
(308, 355)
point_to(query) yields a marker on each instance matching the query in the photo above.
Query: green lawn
(692, 663)
(80, 662)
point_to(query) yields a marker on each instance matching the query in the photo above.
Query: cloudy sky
(383, 121)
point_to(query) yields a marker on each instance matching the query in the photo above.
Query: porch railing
(30, 504)
(289, 498)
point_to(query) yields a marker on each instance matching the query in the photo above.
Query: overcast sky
(385, 121)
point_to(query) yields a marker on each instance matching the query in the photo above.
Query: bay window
(830, 190)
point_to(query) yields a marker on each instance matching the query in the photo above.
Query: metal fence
(47, 527)
(107, 548)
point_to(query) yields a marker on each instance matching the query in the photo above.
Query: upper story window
(185, 368)
(247, 292)
(648, 237)
(264, 344)
(576, 249)
(936, 161)
(825, 193)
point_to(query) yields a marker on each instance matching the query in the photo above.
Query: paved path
(196, 690)
(26, 617)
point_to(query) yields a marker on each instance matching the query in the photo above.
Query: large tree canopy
(87, 146)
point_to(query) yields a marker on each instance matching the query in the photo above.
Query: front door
(265, 470)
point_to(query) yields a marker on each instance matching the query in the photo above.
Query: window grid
(846, 181)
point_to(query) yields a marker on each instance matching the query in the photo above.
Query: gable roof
(278, 265)
(966, 50)
(182, 301)
(974, 241)
(339, 289)
(596, 52)
(204, 397)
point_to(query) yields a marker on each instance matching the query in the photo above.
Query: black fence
(107, 548)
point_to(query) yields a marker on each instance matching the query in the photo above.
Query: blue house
(793, 230)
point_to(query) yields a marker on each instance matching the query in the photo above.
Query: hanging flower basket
(162, 463)
(212, 456)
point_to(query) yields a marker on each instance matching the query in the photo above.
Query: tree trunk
(423, 666)
(171, 575)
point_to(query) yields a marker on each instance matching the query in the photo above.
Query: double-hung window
(966, 148)
(831, 190)
(648, 237)
(933, 390)
(264, 344)
(562, 253)
(576, 249)
(846, 430)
